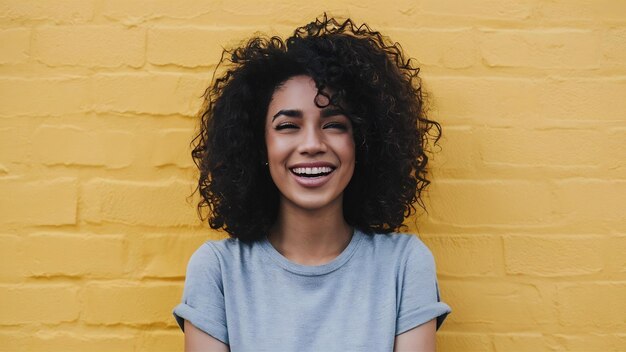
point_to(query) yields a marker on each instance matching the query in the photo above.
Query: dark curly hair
(372, 82)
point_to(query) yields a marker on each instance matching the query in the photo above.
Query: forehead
(299, 90)
(299, 96)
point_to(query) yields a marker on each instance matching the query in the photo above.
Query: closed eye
(283, 126)
(336, 125)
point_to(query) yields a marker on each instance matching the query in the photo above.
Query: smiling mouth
(312, 172)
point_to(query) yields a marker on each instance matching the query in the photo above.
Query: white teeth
(312, 170)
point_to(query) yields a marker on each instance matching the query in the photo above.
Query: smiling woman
(311, 152)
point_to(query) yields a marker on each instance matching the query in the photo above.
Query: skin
(310, 228)
(421, 338)
(197, 340)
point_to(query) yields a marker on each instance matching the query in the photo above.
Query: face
(310, 150)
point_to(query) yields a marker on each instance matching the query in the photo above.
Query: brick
(93, 46)
(12, 255)
(14, 146)
(524, 147)
(598, 304)
(158, 94)
(163, 255)
(526, 302)
(64, 11)
(493, 101)
(519, 342)
(75, 255)
(510, 102)
(540, 49)
(614, 156)
(191, 47)
(66, 341)
(614, 47)
(466, 255)
(583, 99)
(509, 9)
(159, 203)
(43, 202)
(25, 304)
(616, 260)
(591, 204)
(592, 341)
(161, 341)
(72, 145)
(459, 154)
(252, 14)
(281, 11)
(134, 304)
(462, 341)
(15, 44)
(581, 10)
(451, 48)
(491, 203)
(553, 255)
(172, 147)
(43, 97)
(133, 12)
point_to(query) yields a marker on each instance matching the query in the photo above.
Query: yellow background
(526, 212)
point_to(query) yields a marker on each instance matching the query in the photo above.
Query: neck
(310, 237)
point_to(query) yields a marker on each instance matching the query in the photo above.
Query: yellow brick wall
(526, 212)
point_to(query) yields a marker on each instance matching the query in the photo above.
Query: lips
(314, 174)
(312, 171)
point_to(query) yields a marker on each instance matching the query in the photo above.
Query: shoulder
(231, 247)
(403, 245)
(405, 251)
(217, 252)
(202, 261)
(212, 258)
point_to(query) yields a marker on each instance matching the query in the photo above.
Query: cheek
(277, 148)
(347, 150)
(269, 144)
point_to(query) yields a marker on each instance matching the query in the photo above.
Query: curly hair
(371, 80)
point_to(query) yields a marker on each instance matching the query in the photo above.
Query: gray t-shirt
(252, 298)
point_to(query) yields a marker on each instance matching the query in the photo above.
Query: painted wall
(526, 211)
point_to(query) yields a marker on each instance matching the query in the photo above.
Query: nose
(312, 141)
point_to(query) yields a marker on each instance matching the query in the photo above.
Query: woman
(311, 153)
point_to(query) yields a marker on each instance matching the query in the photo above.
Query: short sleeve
(419, 297)
(203, 295)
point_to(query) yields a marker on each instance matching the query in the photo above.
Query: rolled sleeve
(419, 299)
(203, 295)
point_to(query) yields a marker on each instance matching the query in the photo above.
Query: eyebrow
(298, 113)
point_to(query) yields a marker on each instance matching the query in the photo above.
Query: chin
(313, 203)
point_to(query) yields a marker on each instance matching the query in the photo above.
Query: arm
(201, 313)
(418, 339)
(197, 340)
(419, 301)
